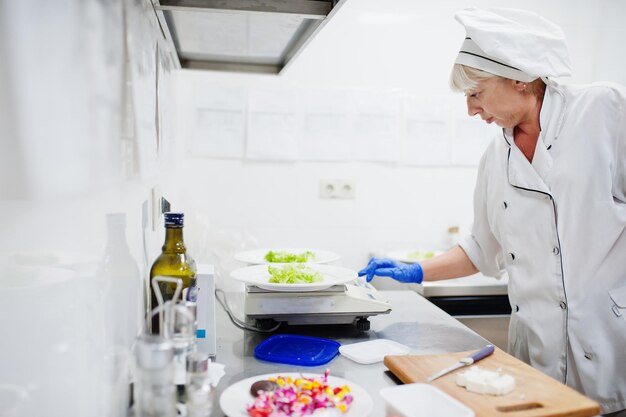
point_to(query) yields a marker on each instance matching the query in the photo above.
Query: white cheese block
(482, 381)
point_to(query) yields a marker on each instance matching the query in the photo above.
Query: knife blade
(473, 358)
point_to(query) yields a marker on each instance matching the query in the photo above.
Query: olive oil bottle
(173, 262)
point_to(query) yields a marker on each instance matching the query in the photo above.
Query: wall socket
(337, 189)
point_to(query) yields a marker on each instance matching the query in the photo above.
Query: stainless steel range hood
(243, 35)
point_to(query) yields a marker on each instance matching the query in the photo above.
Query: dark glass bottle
(173, 262)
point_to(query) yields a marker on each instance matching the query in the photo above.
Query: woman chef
(549, 203)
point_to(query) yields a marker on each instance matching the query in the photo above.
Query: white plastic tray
(373, 351)
(422, 400)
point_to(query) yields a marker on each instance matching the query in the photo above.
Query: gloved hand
(396, 270)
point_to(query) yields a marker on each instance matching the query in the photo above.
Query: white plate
(257, 256)
(422, 400)
(373, 351)
(259, 276)
(237, 397)
(411, 256)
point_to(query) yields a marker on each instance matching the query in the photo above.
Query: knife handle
(483, 353)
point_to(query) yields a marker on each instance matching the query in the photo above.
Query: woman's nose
(472, 109)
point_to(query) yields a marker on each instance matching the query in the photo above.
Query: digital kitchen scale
(349, 303)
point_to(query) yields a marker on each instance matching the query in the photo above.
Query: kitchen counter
(474, 285)
(413, 321)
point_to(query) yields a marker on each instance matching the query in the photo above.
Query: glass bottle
(453, 236)
(173, 262)
(121, 281)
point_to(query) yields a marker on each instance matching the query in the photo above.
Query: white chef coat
(558, 227)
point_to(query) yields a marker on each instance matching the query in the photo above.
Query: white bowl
(422, 400)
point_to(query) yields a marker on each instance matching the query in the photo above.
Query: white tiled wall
(73, 151)
(401, 46)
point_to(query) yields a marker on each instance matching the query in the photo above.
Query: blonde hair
(464, 79)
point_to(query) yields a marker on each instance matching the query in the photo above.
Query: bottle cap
(198, 362)
(174, 219)
(154, 352)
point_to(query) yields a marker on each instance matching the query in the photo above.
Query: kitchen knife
(483, 353)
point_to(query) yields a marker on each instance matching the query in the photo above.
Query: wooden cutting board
(535, 394)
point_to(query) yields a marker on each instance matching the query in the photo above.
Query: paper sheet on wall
(427, 143)
(325, 126)
(470, 140)
(273, 125)
(375, 133)
(470, 136)
(219, 125)
(427, 139)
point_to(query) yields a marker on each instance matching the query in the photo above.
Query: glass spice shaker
(198, 387)
(155, 392)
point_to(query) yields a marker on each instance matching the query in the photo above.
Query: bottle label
(192, 293)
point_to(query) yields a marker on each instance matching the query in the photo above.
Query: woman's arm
(451, 264)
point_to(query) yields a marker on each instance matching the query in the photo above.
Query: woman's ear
(521, 86)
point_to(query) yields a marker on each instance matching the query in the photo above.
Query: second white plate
(259, 276)
(236, 397)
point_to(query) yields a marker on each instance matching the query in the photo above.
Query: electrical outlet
(337, 189)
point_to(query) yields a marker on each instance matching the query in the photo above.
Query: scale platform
(339, 304)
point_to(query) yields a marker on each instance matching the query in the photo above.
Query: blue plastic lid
(297, 350)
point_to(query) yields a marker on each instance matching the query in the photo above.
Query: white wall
(78, 141)
(394, 45)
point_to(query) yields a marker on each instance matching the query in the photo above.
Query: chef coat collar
(535, 176)
(550, 126)
(522, 174)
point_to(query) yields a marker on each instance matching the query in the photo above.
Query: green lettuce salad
(286, 257)
(293, 274)
(419, 255)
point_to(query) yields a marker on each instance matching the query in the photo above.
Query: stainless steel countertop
(474, 285)
(414, 321)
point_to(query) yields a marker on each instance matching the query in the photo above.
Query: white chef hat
(513, 43)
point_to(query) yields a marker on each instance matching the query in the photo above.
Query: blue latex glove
(396, 270)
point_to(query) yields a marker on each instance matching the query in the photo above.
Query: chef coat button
(505, 204)
(563, 305)
(588, 355)
(556, 250)
(512, 256)
(516, 308)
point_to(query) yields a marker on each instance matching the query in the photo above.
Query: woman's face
(500, 101)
